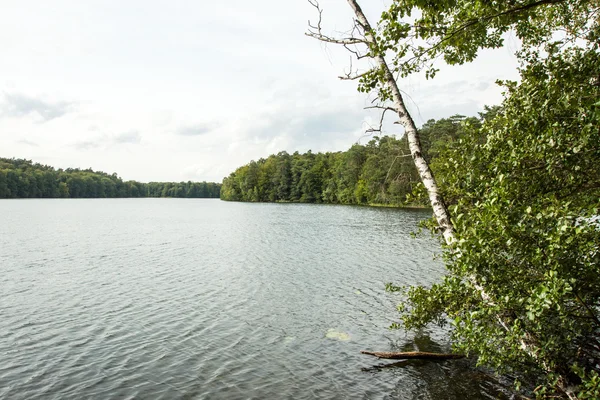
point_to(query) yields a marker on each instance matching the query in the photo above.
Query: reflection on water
(175, 298)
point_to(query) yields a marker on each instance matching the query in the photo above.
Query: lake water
(204, 299)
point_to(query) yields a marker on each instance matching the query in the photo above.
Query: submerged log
(419, 355)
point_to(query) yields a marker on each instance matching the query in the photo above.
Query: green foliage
(590, 388)
(24, 179)
(416, 33)
(380, 172)
(524, 193)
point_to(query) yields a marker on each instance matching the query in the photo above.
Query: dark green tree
(24, 179)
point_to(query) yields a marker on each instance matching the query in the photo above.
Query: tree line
(21, 178)
(380, 172)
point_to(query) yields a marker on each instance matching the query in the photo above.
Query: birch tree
(389, 98)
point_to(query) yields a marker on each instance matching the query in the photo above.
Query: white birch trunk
(439, 207)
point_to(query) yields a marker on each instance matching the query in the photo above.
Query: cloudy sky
(190, 90)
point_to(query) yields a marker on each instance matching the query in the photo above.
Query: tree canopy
(379, 172)
(415, 33)
(25, 179)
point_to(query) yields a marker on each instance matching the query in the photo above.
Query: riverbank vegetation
(24, 179)
(516, 199)
(524, 194)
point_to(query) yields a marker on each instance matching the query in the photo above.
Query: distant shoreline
(373, 205)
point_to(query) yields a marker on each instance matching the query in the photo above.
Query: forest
(380, 172)
(24, 179)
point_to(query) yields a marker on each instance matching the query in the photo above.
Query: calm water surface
(203, 299)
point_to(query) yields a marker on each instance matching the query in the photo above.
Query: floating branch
(420, 355)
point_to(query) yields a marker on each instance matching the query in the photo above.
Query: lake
(204, 299)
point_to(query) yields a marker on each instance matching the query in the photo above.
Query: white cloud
(132, 137)
(193, 90)
(195, 130)
(21, 105)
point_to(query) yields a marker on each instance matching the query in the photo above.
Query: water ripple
(201, 299)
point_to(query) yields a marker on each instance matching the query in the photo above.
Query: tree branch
(316, 32)
(420, 355)
(350, 77)
(385, 109)
(356, 53)
(328, 39)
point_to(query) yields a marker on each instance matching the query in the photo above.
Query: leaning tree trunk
(440, 211)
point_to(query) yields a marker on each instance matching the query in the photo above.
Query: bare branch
(316, 32)
(392, 165)
(357, 53)
(323, 38)
(385, 109)
(316, 5)
(388, 108)
(350, 77)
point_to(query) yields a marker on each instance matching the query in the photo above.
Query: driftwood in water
(421, 355)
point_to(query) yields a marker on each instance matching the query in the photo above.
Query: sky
(191, 90)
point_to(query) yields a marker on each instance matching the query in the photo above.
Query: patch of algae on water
(333, 334)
